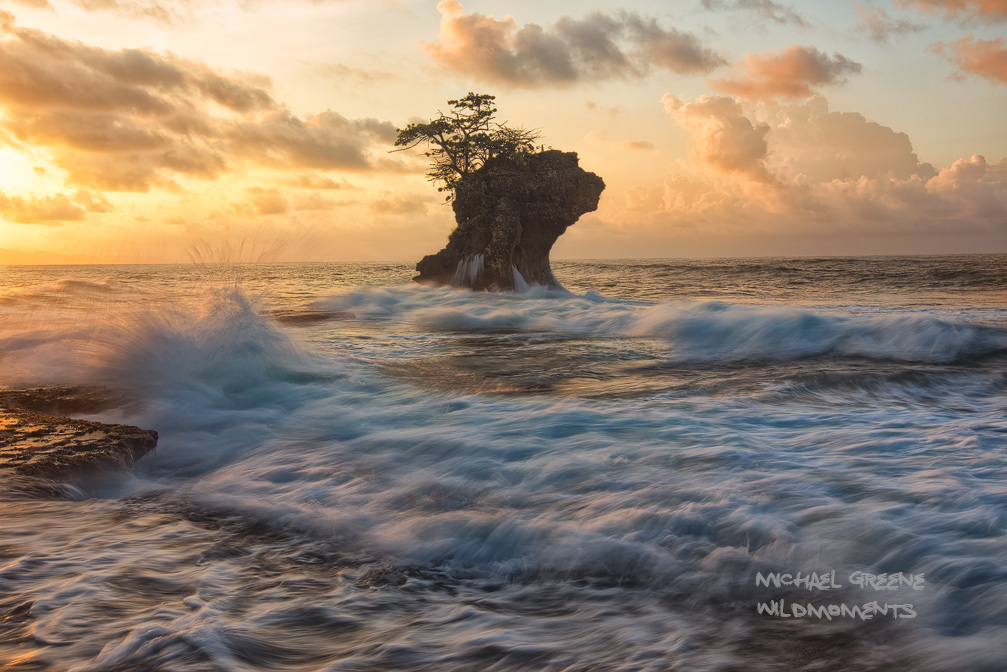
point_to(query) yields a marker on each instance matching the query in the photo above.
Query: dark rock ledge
(38, 439)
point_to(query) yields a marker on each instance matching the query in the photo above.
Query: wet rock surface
(510, 213)
(38, 439)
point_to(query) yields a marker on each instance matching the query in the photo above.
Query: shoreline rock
(38, 439)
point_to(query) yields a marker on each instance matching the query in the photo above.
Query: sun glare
(16, 171)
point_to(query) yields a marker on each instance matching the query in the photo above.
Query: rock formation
(509, 214)
(34, 442)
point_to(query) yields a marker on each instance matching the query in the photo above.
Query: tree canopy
(463, 140)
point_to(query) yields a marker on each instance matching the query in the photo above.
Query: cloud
(44, 210)
(134, 119)
(975, 186)
(638, 146)
(810, 143)
(37, 4)
(392, 204)
(723, 137)
(160, 11)
(327, 141)
(805, 165)
(92, 202)
(167, 11)
(313, 181)
(767, 9)
(984, 58)
(788, 74)
(596, 47)
(314, 202)
(991, 10)
(268, 201)
(879, 25)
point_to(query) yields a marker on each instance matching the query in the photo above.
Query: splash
(468, 271)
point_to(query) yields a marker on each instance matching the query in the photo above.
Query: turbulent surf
(357, 473)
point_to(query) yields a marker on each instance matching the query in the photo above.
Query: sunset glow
(140, 130)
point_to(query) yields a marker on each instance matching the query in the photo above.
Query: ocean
(727, 464)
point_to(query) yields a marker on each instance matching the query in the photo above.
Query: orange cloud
(311, 181)
(879, 25)
(811, 144)
(593, 48)
(268, 201)
(812, 165)
(45, 210)
(638, 146)
(995, 10)
(391, 204)
(974, 185)
(723, 137)
(985, 58)
(788, 74)
(133, 119)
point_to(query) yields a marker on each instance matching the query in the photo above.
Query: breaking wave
(695, 332)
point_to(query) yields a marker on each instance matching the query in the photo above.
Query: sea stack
(509, 214)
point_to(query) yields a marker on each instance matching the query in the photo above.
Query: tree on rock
(510, 201)
(464, 140)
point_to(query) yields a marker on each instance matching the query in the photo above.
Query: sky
(162, 131)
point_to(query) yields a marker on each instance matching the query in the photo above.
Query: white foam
(684, 497)
(695, 331)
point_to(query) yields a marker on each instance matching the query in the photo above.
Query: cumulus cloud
(133, 119)
(879, 25)
(596, 47)
(788, 74)
(45, 210)
(268, 201)
(724, 138)
(810, 143)
(992, 10)
(91, 201)
(807, 164)
(767, 9)
(984, 58)
(52, 209)
(977, 187)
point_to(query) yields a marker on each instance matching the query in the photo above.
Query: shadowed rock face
(509, 214)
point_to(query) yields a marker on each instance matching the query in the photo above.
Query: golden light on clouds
(133, 130)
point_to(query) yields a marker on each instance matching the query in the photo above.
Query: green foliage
(462, 141)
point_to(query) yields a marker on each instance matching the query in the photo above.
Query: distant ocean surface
(356, 473)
